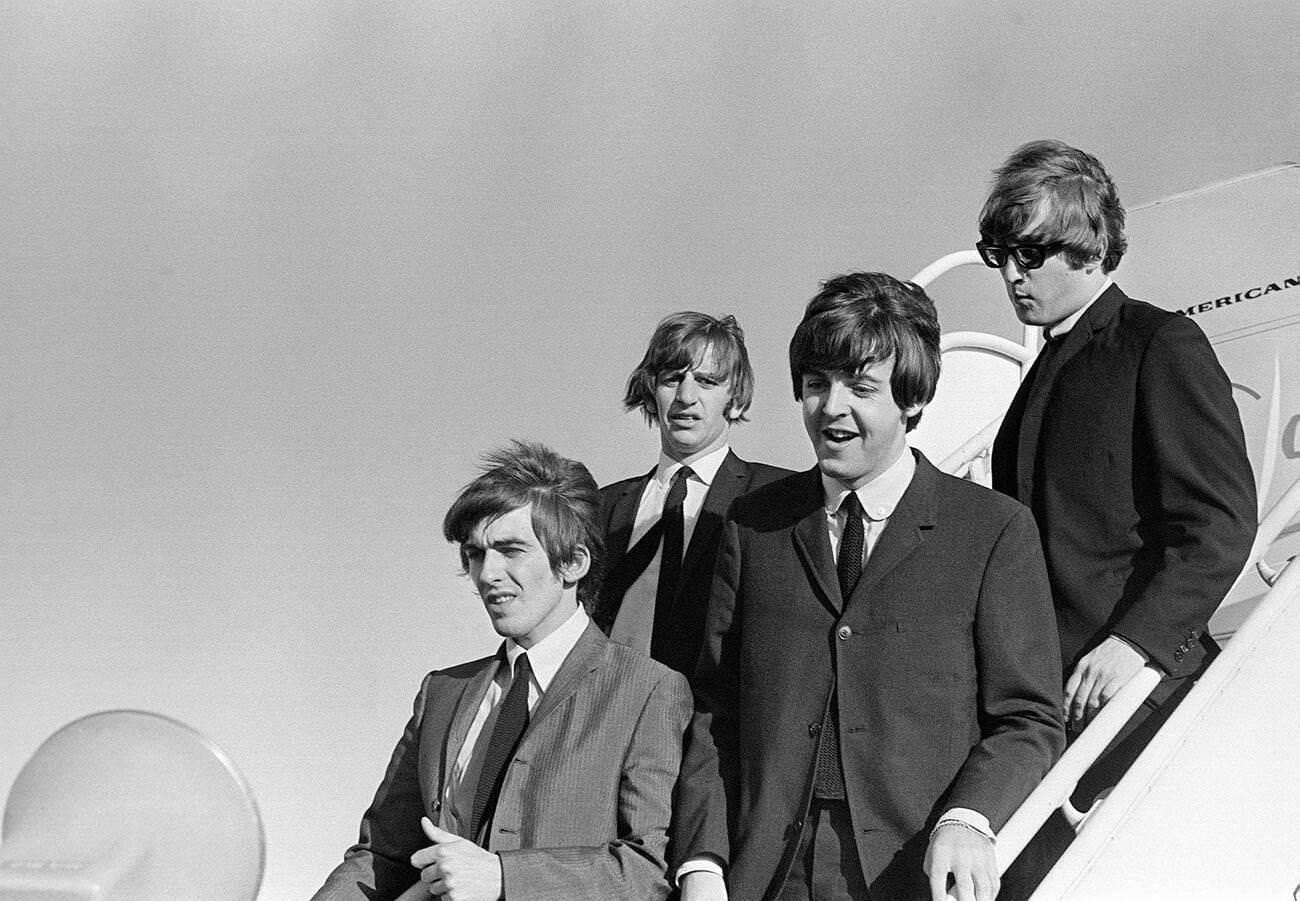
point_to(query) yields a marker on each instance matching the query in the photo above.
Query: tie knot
(851, 506)
(523, 669)
(677, 490)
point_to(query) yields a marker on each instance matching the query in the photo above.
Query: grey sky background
(274, 275)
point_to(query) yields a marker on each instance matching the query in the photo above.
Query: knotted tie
(849, 565)
(670, 560)
(512, 719)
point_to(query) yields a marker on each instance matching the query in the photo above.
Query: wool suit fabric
(943, 663)
(1134, 464)
(584, 807)
(1129, 450)
(677, 642)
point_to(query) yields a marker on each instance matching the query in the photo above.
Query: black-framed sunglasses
(1027, 256)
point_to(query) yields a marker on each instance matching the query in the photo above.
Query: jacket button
(843, 633)
(814, 729)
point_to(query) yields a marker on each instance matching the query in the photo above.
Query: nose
(1011, 271)
(489, 568)
(836, 394)
(687, 389)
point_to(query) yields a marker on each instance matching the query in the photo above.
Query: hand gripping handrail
(1054, 791)
(1059, 783)
(1155, 759)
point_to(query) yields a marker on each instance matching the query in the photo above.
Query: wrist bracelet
(952, 821)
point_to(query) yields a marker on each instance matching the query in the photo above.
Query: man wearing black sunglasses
(1126, 444)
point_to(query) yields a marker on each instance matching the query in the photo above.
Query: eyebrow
(471, 545)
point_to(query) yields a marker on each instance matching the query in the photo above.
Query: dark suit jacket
(1134, 464)
(584, 807)
(945, 658)
(677, 642)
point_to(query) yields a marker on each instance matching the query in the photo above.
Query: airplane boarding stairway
(1211, 809)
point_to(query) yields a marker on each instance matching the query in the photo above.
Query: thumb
(435, 834)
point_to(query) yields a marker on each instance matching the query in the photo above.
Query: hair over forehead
(1048, 192)
(864, 318)
(690, 340)
(564, 498)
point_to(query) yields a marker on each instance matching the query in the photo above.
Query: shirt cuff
(702, 864)
(970, 818)
(1146, 658)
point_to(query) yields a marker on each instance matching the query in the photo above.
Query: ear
(573, 571)
(909, 412)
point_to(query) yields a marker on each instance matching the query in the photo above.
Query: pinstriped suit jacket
(584, 807)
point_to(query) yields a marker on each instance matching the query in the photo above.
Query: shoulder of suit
(764, 473)
(632, 666)
(780, 497)
(1145, 328)
(969, 500)
(1140, 314)
(467, 670)
(615, 489)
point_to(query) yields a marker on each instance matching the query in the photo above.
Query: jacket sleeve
(378, 866)
(711, 763)
(633, 865)
(1019, 671)
(1203, 489)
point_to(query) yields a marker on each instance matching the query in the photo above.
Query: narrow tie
(670, 561)
(852, 539)
(829, 778)
(512, 719)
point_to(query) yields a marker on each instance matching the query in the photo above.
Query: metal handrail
(1173, 734)
(960, 462)
(1054, 791)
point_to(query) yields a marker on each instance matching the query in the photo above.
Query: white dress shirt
(636, 614)
(878, 497)
(545, 659)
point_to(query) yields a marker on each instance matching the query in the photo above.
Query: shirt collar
(705, 468)
(546, 656)
(1062, 328)
(881, 495)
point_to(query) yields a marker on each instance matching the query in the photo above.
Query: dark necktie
(512, 719)
(830, 771)
(1044, 368)
(852, 539)
(674, 531)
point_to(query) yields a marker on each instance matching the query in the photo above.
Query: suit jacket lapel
(622, 518)
(813, 544)
(1036, 396)
(729, 483)
(914, 515)
(585, 657)
(466, 707)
